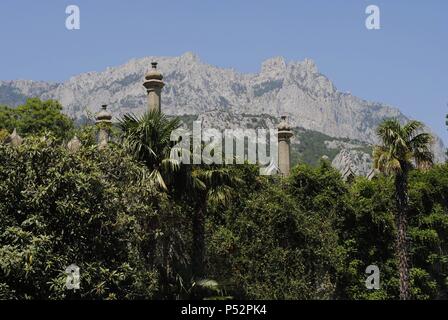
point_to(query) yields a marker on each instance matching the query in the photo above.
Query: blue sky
(403, 64)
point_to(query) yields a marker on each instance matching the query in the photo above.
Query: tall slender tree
(148, 139)
(401, 149)
(213, 185)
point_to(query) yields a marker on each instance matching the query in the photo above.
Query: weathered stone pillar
(103, 122)
(284, 155)
(74, 145)
(154, 84)
(14, 139)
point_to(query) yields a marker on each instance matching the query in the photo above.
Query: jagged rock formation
(353, 157)
(295, 89)
(352, 162)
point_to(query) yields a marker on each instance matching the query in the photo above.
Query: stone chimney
(154, 84)
(103, 122)
(284, 136)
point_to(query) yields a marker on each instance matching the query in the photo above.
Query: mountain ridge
(294, 88)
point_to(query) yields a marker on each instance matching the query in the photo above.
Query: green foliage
(272, 246)
(8, 119)
(148, 139)
(257, 248)
(429, 231)
(207, 232)
(3, 135)
(401, 145)
(36, 117)
(368, 234)
(311, 148)
(92, 209)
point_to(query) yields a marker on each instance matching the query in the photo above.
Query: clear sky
(403, 64)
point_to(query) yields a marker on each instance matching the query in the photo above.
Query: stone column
(284, 155)
(74, 145)
(154, 84)
(14, 139)
(103, 122)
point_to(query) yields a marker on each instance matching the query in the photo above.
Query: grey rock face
(358, 161)
(295, 89)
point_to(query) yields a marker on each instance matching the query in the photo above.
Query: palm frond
(156, 178)
(170, 165)
(384, 160)
(388, 131)
(421, 140)
(411, 128)
(147, 138)
(220, 195)
(401, 146)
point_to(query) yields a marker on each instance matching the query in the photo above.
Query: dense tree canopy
(308, 236)
(35, 117)
(91, 209)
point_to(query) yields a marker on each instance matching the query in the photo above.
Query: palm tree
(211, 185)
(202, 186)
(147, 138)
(403, 147)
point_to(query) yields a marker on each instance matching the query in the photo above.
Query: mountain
(223, 96)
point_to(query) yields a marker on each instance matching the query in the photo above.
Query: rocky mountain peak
(190, 58)
(274, 65)
(309, 66)
(296, 89)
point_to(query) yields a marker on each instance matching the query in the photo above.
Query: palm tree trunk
(402, 200)
(198, 250)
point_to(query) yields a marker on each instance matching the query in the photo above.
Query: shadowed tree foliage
(213, 186)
